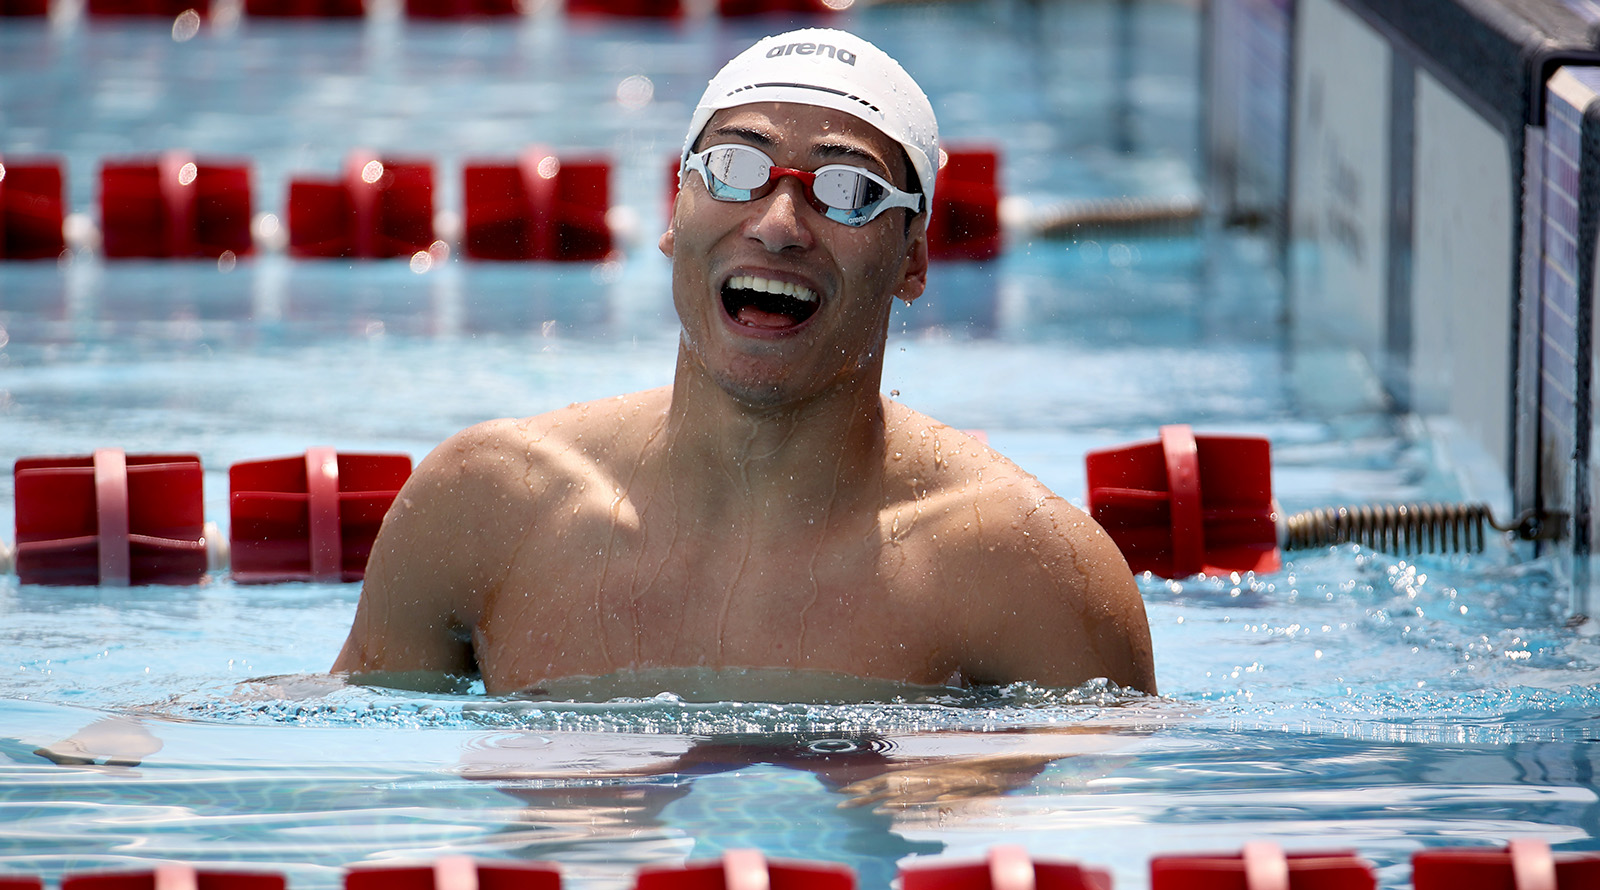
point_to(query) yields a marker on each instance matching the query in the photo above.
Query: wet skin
(770, 508)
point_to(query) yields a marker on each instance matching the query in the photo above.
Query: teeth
(768, 286)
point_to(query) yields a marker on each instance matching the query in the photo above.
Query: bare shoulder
(1043, 592)
(493, 481)
(457, 526)
(574, 441)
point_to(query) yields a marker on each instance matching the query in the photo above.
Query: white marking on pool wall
(1338, 212)
(1574, 94)
(1462, 286)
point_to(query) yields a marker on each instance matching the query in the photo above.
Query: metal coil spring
(1142, 216)
(1393, 528)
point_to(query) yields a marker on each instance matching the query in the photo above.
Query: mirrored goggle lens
(737, 172)
(845, 189)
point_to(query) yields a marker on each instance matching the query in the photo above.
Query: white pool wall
(1436, 235)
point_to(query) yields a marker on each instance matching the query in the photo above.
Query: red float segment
(1524, 864)
(735, 8)
(16, 883)
(379, 208)
(541, 207)
(746, 870)
(312, 517)
(496, 208)
(450, 9)
(1187, 504)
(110, 518)
(174, 206)
(965, 224)
(457, 873)
(1262, 866)
(674, 173)
(23, 8)
(305, 8)
(631, 8)
(176, 877)
(570, 197)
(31, 208)
(1005, 868)
(322, 219)
(221, 208)
(163, 8)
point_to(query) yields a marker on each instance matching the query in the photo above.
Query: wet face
(778, 302)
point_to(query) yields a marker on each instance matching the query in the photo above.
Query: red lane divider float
(746, 870)
(451, 9)
(539, 207)
(965, 223)
(174, 206)
(24, 8)
(1263, 866)
(176, 877)
(116, 519)
(110, 518)
(331, 9)
(1005, 868)
(31, 206)
(1524, 864)
(379, 207)
(536, 207)
(457, 873)
(736, 8)
(311, 517)
(160, 8)
(1187, 504)
(661, 9)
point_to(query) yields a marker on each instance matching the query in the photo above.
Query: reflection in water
(1115, 788)
(603, 804)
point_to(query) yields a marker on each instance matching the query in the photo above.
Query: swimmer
(770, 508)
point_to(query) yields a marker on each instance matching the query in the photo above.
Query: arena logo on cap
(812, 49)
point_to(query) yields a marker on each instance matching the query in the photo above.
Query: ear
(914, 273)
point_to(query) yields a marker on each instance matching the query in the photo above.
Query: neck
(791, 458)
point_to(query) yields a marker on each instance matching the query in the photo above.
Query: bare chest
(847, 600)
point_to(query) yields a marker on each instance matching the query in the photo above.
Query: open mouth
(763, 303)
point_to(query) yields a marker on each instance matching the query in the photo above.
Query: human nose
(780, 224)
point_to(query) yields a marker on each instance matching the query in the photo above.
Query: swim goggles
(841, 192)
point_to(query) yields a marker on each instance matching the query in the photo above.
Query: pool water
(1353, 700)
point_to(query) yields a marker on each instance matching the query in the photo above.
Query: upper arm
(1057, 604)
(441, 548)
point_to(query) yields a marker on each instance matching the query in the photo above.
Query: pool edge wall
(1430, 222)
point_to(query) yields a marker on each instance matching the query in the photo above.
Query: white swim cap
(832, 69)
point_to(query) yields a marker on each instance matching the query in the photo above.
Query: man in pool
(770, 509)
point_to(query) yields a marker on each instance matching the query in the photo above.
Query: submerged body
(770, 509)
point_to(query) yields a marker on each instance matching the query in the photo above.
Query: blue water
(1353, 700)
